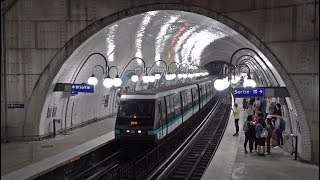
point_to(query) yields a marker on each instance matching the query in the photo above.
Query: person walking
(236, 114)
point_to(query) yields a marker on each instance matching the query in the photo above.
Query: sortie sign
(248, 92)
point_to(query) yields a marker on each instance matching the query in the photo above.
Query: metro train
(150, 115)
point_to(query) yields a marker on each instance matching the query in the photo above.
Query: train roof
(155, 93)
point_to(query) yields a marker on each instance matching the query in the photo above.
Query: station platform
(230, 162)
(24, 159)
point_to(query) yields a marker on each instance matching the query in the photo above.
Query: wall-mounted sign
(12, 106)
(248, 92)
(82, 88)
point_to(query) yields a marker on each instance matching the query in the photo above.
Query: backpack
(264, 133)
(245, 127)
(282, 125)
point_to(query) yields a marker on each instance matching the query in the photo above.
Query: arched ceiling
(172, 36)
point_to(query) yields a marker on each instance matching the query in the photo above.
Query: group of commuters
(264, 124)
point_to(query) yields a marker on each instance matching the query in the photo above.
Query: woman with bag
(261, 134)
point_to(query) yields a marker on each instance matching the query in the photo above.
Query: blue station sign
(13, 106)
(82, 88)
(248, 92)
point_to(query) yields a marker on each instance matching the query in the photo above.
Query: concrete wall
(36, 31)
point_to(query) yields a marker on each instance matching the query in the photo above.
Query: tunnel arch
(44, 83)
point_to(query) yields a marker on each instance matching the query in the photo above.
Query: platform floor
(17, 155)
(231, 163)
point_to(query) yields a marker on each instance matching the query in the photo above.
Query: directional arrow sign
(248, 92)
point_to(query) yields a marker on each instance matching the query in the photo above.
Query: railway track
(191, 162)
(142, 166)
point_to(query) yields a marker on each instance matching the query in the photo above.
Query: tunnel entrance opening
(159, 40)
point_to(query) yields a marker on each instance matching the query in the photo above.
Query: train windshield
(136, 109)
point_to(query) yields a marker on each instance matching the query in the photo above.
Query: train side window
(177, 105)
(163, 109)
(183, 95)
(172, 105)
(195, 97)
(158, 115)
(168, 103)
(189, 99)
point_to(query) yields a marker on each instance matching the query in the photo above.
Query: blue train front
(135, 119)
(150, 115)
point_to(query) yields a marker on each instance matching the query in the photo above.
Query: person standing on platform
(250, 110)
(263, 107)
(279, 128)
(245, 104)
(271, 108)
(236, 114)
(260, 139)
(270, 131)
(249, 129)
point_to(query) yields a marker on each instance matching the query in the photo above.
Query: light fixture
(93, 80)
(218, 84)
(152, 79)
(169, 77)
(117, 81)
(145, 79)
(108, 82)
(190, 75)
(185, 75)
(249, 82)
(235, 79)
(180, 76)
(134, 78)
(157, 76)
